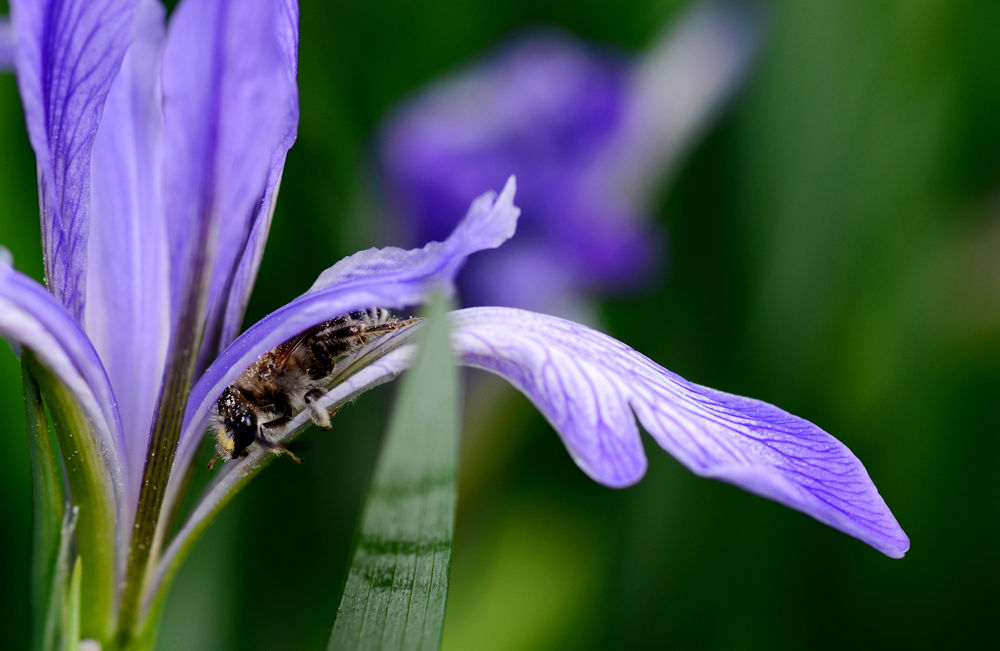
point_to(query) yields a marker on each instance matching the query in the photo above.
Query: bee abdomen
(324, 355)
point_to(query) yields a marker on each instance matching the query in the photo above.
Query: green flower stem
(47, 513)
(92, 492)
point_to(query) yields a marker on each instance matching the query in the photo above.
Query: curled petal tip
(490, 222)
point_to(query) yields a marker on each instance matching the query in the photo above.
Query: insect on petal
(390, 277)
(591, 388)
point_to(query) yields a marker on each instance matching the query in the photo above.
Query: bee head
(237, 425)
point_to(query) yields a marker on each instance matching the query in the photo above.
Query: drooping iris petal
(591, 388)
(68, 52)
(234, 302)
(127, 311)
(390, 277)
(32, 318)
(226, 109)
(6, 44)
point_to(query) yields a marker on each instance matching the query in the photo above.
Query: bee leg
(317, 414)
(282, 449)
(277, 448)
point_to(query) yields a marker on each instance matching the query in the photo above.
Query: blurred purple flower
(6, 44)
(159, 153)
(590, 135)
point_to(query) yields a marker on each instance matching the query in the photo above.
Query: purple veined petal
(6, 44)
(676, 88)
(127, 311)
(68, 53)
(390, 278)
(31, 317)
(226, 104)
(591, 388)
(226, 312)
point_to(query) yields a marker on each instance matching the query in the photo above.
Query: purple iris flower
(159, 149)
(591, 136)
(6, 44)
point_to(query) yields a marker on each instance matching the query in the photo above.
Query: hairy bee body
(289, 379)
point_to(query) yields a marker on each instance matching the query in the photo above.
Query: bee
(290, 379)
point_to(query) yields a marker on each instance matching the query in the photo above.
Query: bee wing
(286, 350)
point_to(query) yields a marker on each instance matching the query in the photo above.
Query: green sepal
(92, 492)
(397, 584)
(47, 517)
(71, 609)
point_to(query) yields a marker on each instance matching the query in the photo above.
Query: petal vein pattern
(68, 53)
(588, 386)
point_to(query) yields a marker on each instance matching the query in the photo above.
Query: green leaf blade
(71, 611)
(397, 585)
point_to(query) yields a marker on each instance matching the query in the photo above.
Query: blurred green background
(835, 249)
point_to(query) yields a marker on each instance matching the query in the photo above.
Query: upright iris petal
(590, 135)
(385, 277)
(68, 53)
(127, 314)
(228, 306)
(228, 112)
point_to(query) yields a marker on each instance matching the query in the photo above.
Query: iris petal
(68, 53)
(126, 314)
(591, 388)
(231, 307)
(226, 107)
(30, 317)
